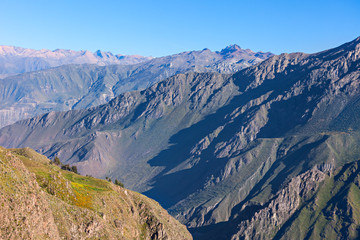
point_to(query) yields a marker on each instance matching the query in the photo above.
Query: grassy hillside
(40, 201)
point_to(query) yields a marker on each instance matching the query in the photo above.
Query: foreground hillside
(40, 201)
(232, 155)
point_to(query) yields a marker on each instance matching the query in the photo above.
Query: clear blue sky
(160, 28)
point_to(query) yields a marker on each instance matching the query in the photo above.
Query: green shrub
(74, 169)
(117, 182)
(57, 161)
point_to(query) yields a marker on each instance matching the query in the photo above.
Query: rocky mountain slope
(232, 156)
(16, 60)
(333, 212)
(82, 86)
(38, 200)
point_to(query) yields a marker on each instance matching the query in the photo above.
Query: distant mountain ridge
(16, 60)
(82, 86)
(232, 156)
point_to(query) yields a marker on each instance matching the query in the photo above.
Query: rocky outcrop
(266, 222)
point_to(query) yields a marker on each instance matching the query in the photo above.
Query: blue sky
(159, 28)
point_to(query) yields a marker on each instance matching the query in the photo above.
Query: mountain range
(247, 155)
(17, 60)
(82, 86)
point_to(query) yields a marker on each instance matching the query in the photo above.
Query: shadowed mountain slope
(221, 152)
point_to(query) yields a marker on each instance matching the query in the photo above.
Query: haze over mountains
(232, 156)
(16, 60)
(82, 86)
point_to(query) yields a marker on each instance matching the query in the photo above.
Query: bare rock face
(40, 201)
(270, 218)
